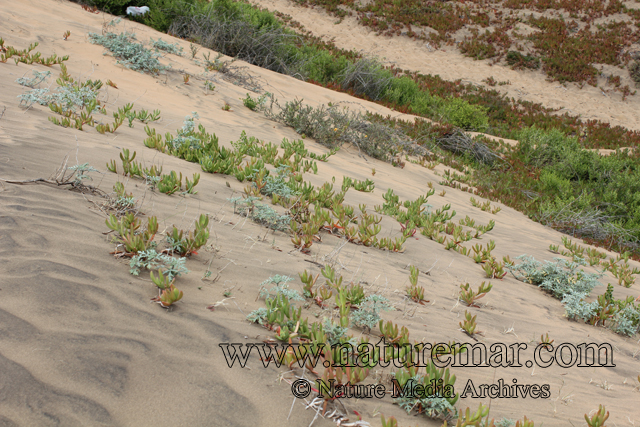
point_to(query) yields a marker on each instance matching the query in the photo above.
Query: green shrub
(540, 147)
(460, 113)
(317, 65)
(425, 104)
(402, 91)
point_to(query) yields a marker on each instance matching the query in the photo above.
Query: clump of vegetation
(415, 292)
(130, 236)
(261, 213)
(597, 419)
(168, 293)
(622, 316)
(485, 207)
(634, 71)
(38, 77)
(460, 113)
(518, 61)
(166, 47)
(559, 278)
(152, 260)
(565, 281)
(333, 126)
(367, 313)
(129, 53)
(437, 405)
(469, 325)
(469, 296)
(25, 56)
(185, 244)
(254, 104)
(280, 311)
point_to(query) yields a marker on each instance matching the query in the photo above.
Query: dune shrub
(634, 71)
(460, 113)
(518, 61)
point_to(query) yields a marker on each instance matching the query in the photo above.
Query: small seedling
(391, 422)
(415, 292)
(373, 172)
(249, 102)
(469, 297)
(112, 84)
(545, 340)
(209, 87)
(524, 423)
(162, 281)
(309, 282)
(168, 297)
(66, 34)
(442, 193)
(598, 419)
(226, 107)
(494, 269)
(186, 78)
(469, 325)
(194, 50)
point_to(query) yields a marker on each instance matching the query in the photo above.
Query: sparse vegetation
(565, 281)
(166, 47)
(415, 292)
(468, 325)
(311, 210)
(261, 39)
(129, 53)
(469, 296)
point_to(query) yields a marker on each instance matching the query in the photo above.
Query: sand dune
(82, 344)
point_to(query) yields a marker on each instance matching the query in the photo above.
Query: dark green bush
(634, 71)
(518, 61)
(538, 147)
(402, 91)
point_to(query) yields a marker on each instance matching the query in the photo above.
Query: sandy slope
(80, 342)
(589, 102)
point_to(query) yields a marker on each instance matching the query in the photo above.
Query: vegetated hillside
(361, 238)
(567, 39)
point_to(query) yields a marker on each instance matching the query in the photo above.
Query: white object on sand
(135, 11)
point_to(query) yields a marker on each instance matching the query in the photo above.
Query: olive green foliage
(605, 188)
(559, 183)
(460, 113)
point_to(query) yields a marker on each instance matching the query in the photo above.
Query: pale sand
(81, 343)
